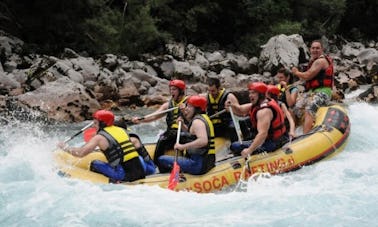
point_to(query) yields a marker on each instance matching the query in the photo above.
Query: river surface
(342, 191)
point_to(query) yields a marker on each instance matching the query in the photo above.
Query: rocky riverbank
(72, 86)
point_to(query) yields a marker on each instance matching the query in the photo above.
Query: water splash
(337, 192)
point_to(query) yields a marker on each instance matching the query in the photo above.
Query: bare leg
(308, 122)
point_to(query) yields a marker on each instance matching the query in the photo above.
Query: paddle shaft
(237, 126)
(78, 133)
(178, 139)
(130, 122)
(158, 113)
(218, 113)
(173, 177)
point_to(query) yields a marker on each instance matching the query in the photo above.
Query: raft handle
(236, 165)
(288, 150)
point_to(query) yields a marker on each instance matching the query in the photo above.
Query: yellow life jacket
(120, 149)
(173, 115)
(216, 104)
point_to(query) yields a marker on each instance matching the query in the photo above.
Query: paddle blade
(174, 177)
(89, 133)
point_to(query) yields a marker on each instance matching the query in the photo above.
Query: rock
(177, 50)
(214, 57)
(279, 51)
(116, 81)
(87, 67)
(7, 81)
(144, 76)
(109, 61)
(365, 56)
(353, 85)
(62, 99)
(128, 94)
(352, 49)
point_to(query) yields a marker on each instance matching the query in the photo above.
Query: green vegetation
(132, 27)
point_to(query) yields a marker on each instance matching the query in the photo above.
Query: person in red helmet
(123, 159)
(266, 118)
(199, 145)
(273, 92)
(167, 139)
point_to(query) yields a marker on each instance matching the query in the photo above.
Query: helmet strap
(101, 124)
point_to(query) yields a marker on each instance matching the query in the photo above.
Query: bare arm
(239, 110)
(290, 119)
(264, 117)
(199, 130)
(95, 141)
(232, 98)
(291, 98)
(318, 65)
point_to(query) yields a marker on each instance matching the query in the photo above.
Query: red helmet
(105, 116)
(260, 87)
(273, 90)
(197, 101)
(177, 83)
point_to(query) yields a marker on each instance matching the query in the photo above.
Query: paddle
(218, 113)
(76, 134)
(89, 133)
(237, 126)
(129, 121)
(246, 164)
(242, 179)
(158, 113)
(174, 177)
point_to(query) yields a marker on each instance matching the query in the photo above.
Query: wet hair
(287, 73)
(213, 81)
(273, 96)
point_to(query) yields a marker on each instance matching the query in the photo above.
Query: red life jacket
(277, 125)
(324, 77)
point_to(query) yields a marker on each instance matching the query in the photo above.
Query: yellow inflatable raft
(327, 138)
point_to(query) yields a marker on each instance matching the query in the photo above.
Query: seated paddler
(197, 143)
(123, 159)
(266, 117)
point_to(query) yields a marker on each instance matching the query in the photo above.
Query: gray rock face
(62, 99)
(280, 51)
(72, 87)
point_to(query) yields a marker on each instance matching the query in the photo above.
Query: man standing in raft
(266, 117)
(319, 81)
(123, 158)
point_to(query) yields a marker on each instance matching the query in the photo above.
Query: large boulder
(62, 99)
(279, 51)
